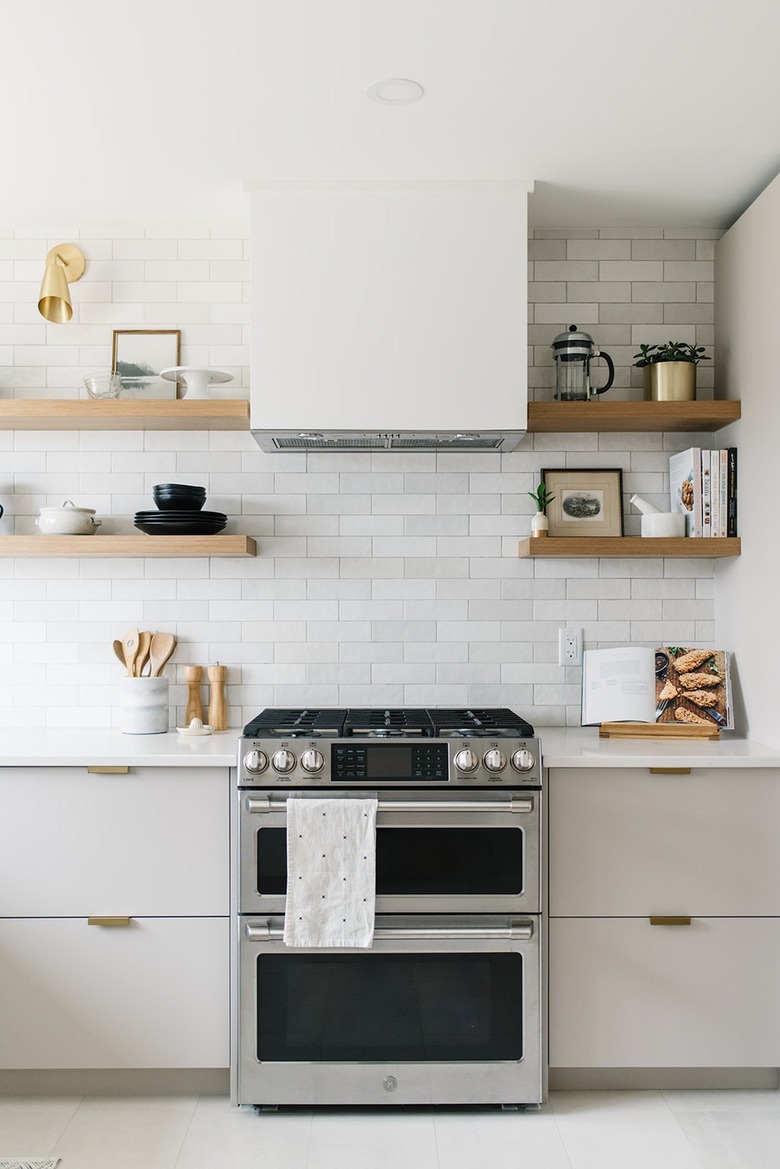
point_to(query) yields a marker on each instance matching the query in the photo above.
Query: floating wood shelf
(140, 545)
(233, 414)
(123, 414)
(590, 417)
(590, 546)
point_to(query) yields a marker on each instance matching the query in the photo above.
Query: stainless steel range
(445, 1008)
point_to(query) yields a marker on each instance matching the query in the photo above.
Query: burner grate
(480, 721)
(295, 722)
(398, 721)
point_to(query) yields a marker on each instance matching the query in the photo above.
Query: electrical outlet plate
(569, 647)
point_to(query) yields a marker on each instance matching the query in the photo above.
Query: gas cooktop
(398, 723)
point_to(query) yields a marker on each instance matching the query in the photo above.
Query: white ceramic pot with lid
(67, 520)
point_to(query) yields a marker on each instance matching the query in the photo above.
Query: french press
(573, 352)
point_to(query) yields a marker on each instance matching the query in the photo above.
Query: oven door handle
(516, 930)
(521, 805)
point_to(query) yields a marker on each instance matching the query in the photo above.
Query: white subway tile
(306, 651)
(504, 652)
(464, 589)
(370, 651)
(403, 589)
(437, 651)
(340, 631)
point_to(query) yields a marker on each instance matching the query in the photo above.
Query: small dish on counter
(196, 729)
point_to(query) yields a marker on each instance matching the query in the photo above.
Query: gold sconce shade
(64, 264)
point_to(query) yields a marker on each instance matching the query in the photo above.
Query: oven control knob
(466, 760)
(312, 761)
(523, 760)
(283, 761)
(495, 760)
(255, 761)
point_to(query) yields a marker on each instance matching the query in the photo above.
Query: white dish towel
(331, 873)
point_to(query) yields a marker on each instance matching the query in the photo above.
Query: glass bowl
(103, 383)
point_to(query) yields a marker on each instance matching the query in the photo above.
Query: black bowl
(179, 503)
(180, 496)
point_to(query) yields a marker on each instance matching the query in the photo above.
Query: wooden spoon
(160, 650)
(130, 649)
(120, 653)
(142, 657)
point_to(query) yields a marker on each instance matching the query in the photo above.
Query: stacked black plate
(179, 513)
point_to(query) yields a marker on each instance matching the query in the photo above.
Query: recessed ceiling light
(395, 91)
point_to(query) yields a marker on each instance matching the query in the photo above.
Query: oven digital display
(383, 762)
(389, 762)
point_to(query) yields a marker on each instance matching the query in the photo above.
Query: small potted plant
(669, 370)
(540, 525)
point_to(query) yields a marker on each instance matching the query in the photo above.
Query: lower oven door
(436, 852)
(439, 1011)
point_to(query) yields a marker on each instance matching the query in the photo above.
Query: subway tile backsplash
(380, 578)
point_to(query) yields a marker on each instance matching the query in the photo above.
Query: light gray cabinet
(114, 918)
(664, 895)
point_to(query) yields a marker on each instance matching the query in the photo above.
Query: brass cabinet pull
(120, 769)
(670, 771)
(109, 921)
(661, 920)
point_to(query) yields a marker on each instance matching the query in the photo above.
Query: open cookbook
(677, 684)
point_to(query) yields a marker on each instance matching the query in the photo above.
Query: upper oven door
(436, 852)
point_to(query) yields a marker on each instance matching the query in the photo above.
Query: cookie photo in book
(692, 686)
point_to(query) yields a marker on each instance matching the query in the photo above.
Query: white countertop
(88, 748)
(582, 747)
(561, 747)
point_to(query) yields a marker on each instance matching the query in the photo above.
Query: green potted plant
(669, 370)
(539, 523)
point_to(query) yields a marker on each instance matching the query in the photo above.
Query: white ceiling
(624, 113)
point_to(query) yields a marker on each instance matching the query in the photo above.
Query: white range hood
(389, 316)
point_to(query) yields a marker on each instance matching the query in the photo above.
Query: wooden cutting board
(673, 730)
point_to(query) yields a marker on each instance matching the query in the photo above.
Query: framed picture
(587, 503)
(138, 357)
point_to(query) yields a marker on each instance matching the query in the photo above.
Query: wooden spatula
(130, 649)
(142, 657)
(160, 650)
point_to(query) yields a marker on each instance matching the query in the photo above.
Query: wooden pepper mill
(194, 707)
(217, 708)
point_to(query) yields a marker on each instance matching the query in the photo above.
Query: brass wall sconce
(64, 264)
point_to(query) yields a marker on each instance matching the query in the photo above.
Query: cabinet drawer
(152, 842)
(624, 993)
(628, 843)
(154, 994)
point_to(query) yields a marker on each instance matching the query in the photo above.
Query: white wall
(381, 579)
(748, 301)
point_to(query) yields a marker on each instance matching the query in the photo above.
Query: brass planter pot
(670, 381)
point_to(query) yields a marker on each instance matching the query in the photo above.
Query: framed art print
(586, 503)
(139, 356)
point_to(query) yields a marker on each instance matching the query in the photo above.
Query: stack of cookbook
(703, 486)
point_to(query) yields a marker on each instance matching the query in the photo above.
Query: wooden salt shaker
(217, 709)
(194, 707)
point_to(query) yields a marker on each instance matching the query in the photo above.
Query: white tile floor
(576, 1130)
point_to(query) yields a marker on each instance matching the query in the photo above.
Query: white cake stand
(193, 380)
